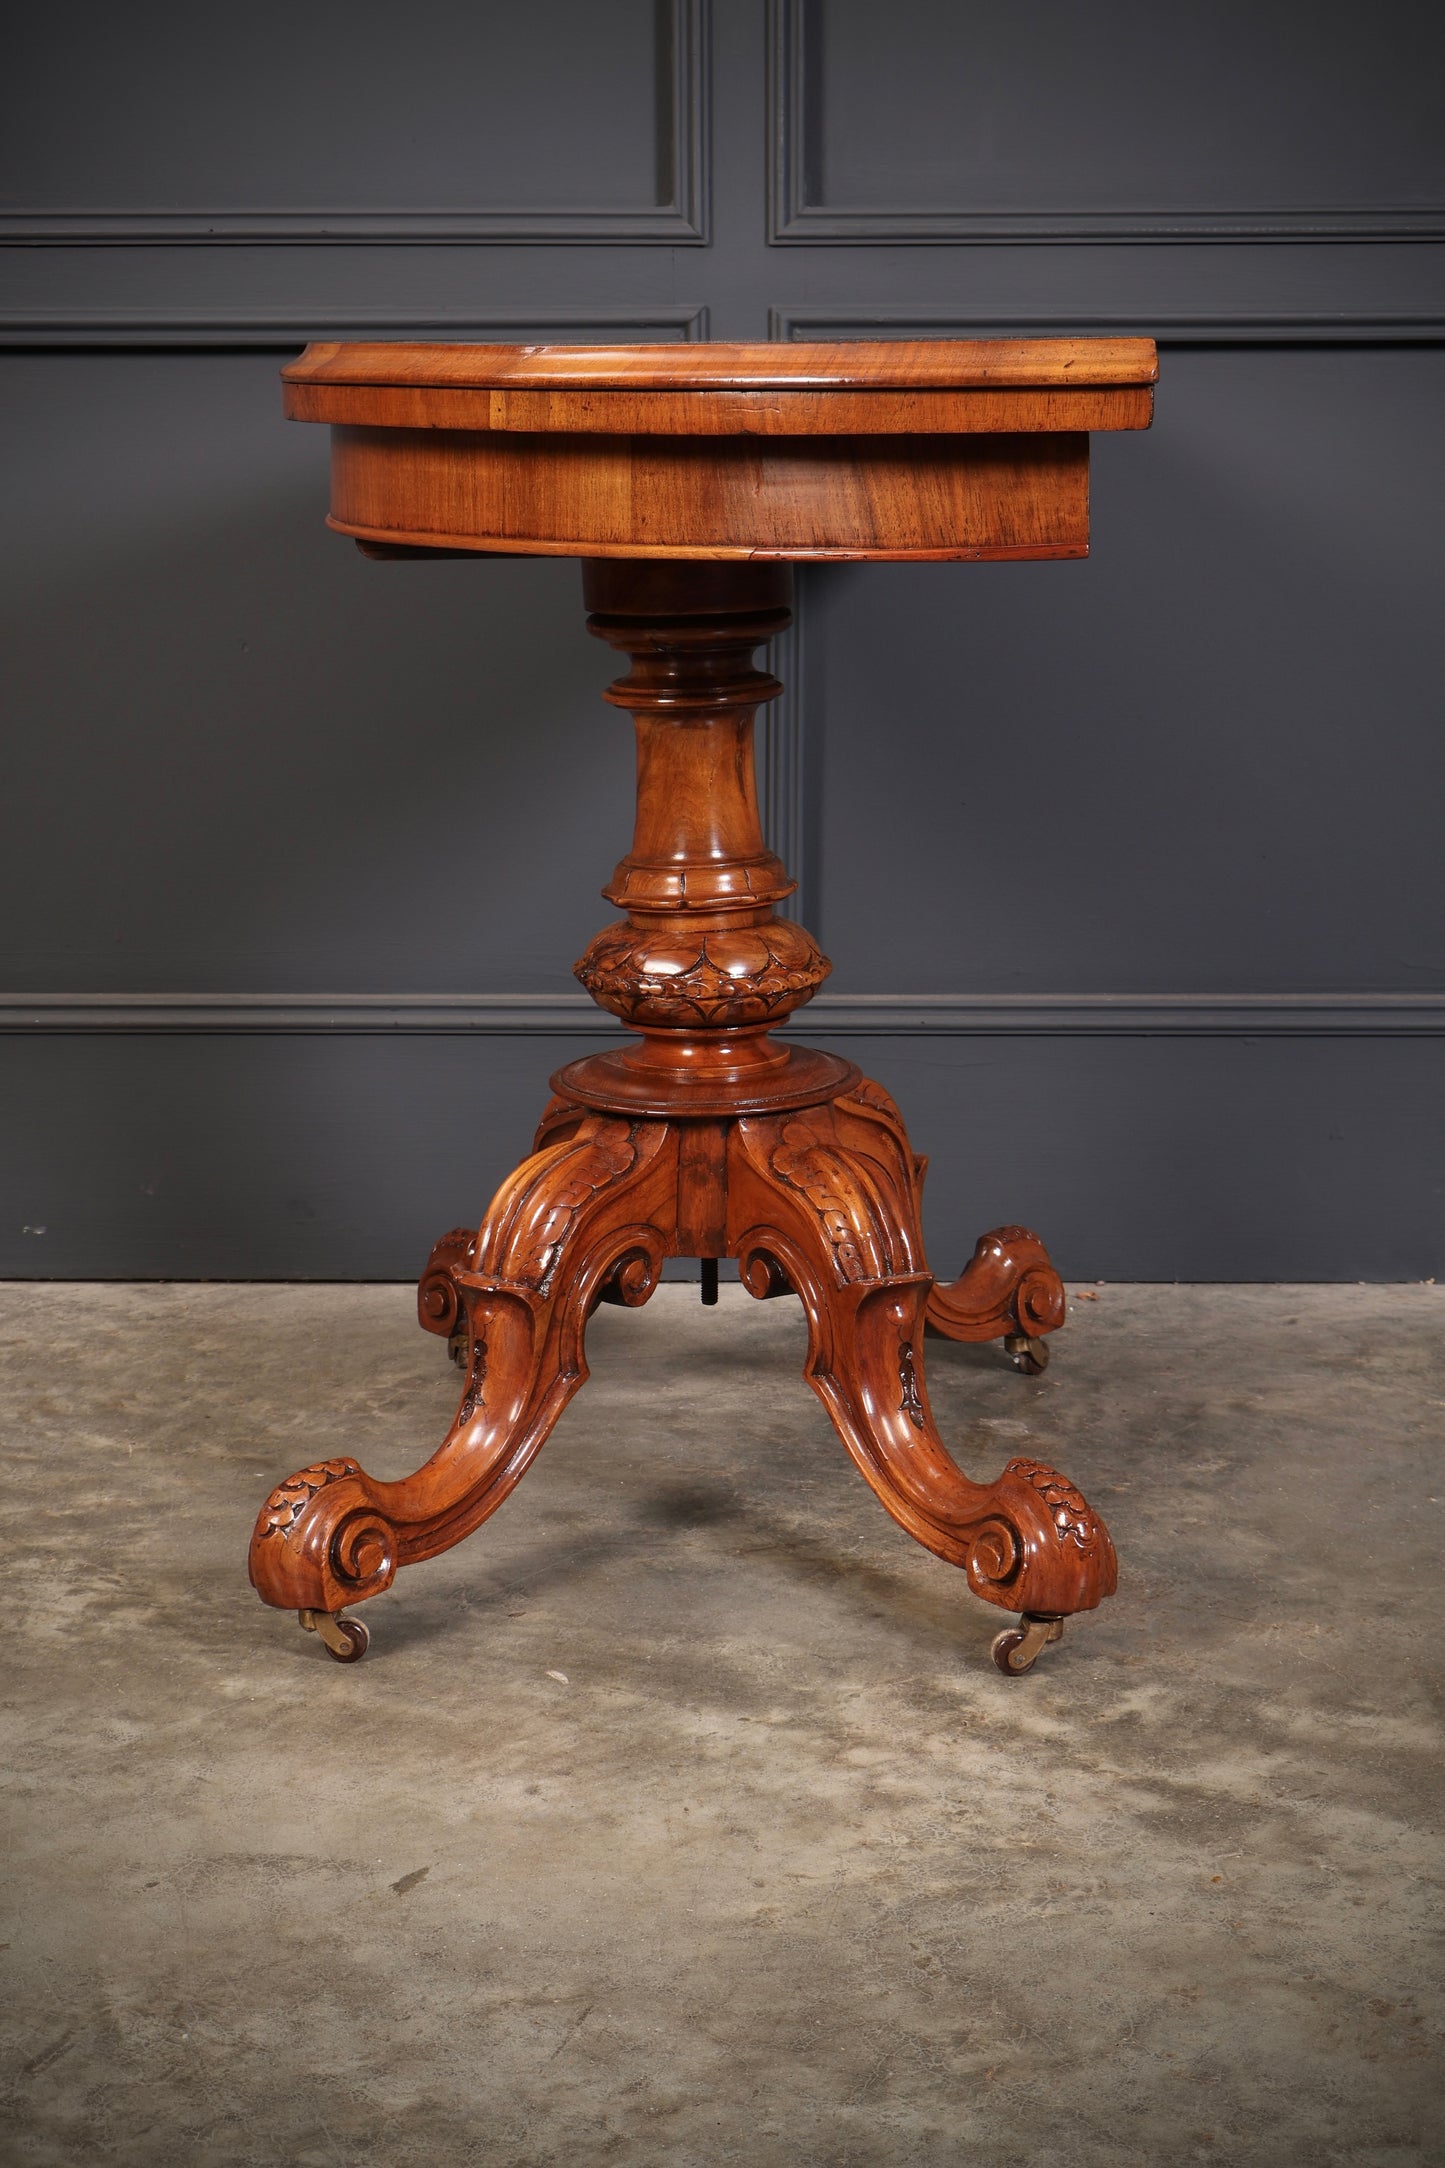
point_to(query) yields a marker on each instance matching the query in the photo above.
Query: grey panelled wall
(1130, 869)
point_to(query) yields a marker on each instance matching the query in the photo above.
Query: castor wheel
(459, 1347)
(345, 1640)
(1026, 1354)
(1018, 1648)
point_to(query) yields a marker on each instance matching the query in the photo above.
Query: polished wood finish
(710, 1137)
(864, 387)
(880, 449)
(589, 496)
(701, 967)
(819, 1202)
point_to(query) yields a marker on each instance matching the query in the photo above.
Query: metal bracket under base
(1019, 1648)
(346, 1640)
(1026, 1353)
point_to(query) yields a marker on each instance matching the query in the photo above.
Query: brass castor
(1018, 1648)
(346, 1640)
(459, 1347)
(1028, 1355)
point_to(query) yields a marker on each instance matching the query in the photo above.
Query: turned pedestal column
(708, 1136)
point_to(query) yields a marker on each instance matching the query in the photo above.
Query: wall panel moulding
(283, 331)
(901, 320)
(1095, 1015)
(667, 97)
(918, 124)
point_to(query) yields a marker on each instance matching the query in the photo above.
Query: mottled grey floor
(780, 1870)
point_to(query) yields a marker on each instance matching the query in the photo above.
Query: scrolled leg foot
(322, 1540)
(593, 1208)
(1008, 1290)
(833, 1216)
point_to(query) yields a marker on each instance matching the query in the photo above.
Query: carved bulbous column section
(701, 966)
(671, 975)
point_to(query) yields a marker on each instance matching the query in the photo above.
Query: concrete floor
(779, 1869)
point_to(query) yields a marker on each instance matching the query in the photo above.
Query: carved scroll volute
(319, 1542)
(437, 1301)
(1008, 1285)
(1068, 1559)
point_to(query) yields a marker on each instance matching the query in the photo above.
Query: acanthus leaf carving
(1069, 1510)
(865, 1093)
(804, 1161)
(535, 1214)
(286, 1504)
(710, 979)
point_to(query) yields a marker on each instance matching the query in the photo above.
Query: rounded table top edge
(841, 365)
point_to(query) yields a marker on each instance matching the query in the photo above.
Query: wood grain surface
(680, 496)
(872, 387)
(741, 365)
(875, 448)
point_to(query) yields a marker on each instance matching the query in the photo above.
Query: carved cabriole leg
(824, 1197)
(1008, 1286)
(596, 1208)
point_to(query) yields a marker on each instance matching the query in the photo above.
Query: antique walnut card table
(689, 480)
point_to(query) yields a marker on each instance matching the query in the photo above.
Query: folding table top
(886, 448)
(846, 387)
